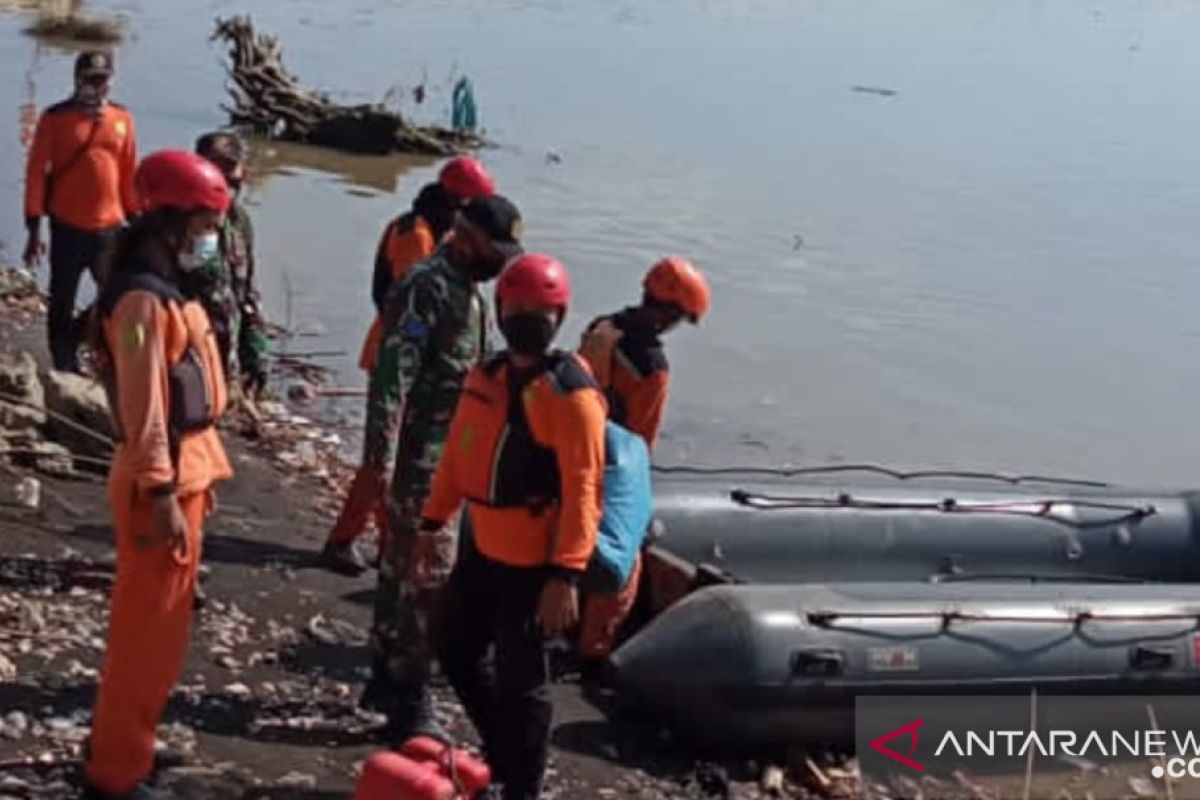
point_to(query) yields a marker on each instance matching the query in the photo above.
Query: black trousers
(72, 250)
(486, 604)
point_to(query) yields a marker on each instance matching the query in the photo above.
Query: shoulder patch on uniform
(133, 337)
(414, 328)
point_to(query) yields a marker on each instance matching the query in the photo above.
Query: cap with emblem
(499, 220)
(94, 62)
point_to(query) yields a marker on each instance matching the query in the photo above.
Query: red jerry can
(391, 776)
(472, 773)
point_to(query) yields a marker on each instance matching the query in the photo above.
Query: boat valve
(1073, 548)
(1144, 656)
(1123, 535)
(817, 662)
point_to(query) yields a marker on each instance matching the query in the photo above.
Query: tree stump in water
(269, 99)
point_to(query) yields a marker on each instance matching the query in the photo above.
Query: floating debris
(77, 27)
(881, 91)
(270, 99)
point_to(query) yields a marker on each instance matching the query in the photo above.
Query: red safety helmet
(180, 180)
(534, 279)
(466, 178)
(676, 280)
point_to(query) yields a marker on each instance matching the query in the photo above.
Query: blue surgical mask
(205, 248)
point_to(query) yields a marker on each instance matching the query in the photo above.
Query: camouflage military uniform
(225, 286)
(434, 333)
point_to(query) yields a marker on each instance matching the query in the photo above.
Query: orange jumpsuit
(151, 610)
(628, 361)
(405, 241)
(91, 159)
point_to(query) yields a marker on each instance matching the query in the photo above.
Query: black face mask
(528, 334)
(483, 270)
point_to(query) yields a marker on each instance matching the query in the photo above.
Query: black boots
(343, 559)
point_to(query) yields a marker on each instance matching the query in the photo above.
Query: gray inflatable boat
(755, 528)
(769, 665)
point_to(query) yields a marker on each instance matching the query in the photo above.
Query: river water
(993, 267)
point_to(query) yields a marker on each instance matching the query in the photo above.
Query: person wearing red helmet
(415, 234)
(406, 240)
(162, 369)
(465, 178)
(626, 354)
(525, 453)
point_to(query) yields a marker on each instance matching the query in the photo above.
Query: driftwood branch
(269, 99)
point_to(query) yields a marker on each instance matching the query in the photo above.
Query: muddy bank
(266, 707)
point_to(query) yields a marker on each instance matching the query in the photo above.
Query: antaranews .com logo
(1060, 740)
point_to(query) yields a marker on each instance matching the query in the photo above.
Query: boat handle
(1144, 656)
(821, 662)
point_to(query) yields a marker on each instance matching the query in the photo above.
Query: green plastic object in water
(464, 117)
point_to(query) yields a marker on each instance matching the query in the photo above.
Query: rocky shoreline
(266, 707)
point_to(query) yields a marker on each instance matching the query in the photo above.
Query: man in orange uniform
(626, 355)
(80, 173)
(406, 240)
(526, 453)
(162, 369)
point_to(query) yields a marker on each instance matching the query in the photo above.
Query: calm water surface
(995, 267)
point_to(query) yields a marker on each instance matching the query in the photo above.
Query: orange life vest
(194, 394)
(529, 458)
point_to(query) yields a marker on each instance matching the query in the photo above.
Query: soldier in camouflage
(225, 285)
(434, 333)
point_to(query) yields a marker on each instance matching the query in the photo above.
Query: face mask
(528, 334)
(485, 269)
(204, 249)
(91, 94)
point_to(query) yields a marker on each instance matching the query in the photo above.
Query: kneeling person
(535, 513)
(626, 354)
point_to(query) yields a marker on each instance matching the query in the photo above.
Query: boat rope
(1032, 577)
(825, 619)
(1040, 508)
(901, 475)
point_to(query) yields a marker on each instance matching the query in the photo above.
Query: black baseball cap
(94, 62)
(499, 220)
(221, 146)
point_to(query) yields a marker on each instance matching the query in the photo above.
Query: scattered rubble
(8, 670)
(25, 492)
(21, 302)
(22, 398)
(79, 417)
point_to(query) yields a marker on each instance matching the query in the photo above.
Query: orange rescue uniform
(89, 161)
(405, 241)
(629, 363)
(532, 479)
(151, 610)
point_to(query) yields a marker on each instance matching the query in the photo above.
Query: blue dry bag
(628, 508)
